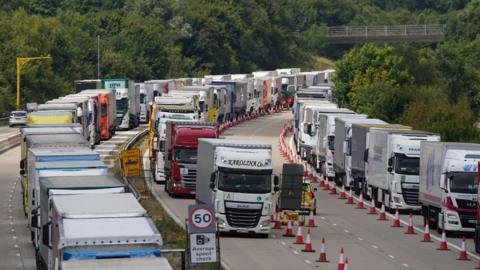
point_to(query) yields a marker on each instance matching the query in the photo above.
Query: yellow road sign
(132, 162)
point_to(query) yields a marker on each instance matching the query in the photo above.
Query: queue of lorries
(397, 166)
(81, 217)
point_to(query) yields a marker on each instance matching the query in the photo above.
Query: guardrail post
(183, 260)
(386, 30)
(405, 29)
(425, 29)
(366, 31)
(346, 31)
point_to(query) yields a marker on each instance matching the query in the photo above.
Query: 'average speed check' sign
(201, 218)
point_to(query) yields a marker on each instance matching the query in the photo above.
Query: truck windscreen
(122, 106)
(186, 155)
(463, 183)
(407, 165)
(244, 183)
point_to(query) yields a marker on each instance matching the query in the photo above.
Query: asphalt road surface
(16, 249)
(368, 243)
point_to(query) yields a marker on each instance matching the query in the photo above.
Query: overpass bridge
(426, 33)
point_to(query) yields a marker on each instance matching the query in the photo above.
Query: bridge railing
(386, 30)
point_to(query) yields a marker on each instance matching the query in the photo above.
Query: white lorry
(359, 145)
(127, 100)
(80, 230)
(236, 177)
(145, 100)
(448, 185)
(342, 150)
(325, 140)
(393, 166)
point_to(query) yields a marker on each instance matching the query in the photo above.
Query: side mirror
(390, 162)
(389, 169)
(365, 155)
(22, 172)
(22, 164)
(276, 189)
(275, 180)
(315, 189)
(212, 178)
(46, 235)
(212, 185)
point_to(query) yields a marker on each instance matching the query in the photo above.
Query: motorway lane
(370, 244)
(16, 249)
(6, 131)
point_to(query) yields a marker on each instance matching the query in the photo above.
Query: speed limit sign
(201, 218)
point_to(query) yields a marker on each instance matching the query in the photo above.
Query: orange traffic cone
(323, 253)
(410, 229)
(396, 221)
(463, 252)
(341, 262)
(299, 239)
(327, 185)
(308, 243)
(443, 242)
(346, 264)
(289, 231)
(426, 233)
(383, 215)
(350, 197)
(333, 189)
(343, 195)
(322, 183)
(373, 209)
(278, 222)
(311, 221)
(360, 202)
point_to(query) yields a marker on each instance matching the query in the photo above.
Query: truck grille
(243, 218)
(468, 220)
(466, 204)
(189, 180)
(410, 195)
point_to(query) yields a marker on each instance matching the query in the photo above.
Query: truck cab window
(406, 165)
(463, 183)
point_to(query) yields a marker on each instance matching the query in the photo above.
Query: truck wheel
(165, 186)
(432, 218)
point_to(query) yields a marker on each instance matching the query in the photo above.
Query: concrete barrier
(10, 142)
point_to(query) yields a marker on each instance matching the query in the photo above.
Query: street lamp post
(20, 62)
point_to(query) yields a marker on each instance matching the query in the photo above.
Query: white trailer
(393, 166)
(448, 185)
(342, 153)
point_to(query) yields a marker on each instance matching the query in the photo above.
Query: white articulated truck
(393, 165)
(448, 185)
(236, 177)
(341, 154)
(359, 151)
(325, 140)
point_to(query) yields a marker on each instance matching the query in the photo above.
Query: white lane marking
(360, 239)
(273, 236)
(420, 230)
(14, 237)
(323, 218)
(15, 246)
(346, 231)
(283, 243)
(375, 247)
(391, 256)
(308, 261)
(406, 265)
(334, 224)
(295, 252)
(18, 254)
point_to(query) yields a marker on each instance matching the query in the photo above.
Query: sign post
(202, 231)
(132, 162)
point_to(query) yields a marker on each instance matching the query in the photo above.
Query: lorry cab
(236, 177)
(95, 119)
(180, 154)
(108, 111)
(80, 112)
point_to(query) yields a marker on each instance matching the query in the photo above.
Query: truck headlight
(452, 216)
(183, 171)
(265, 223)
(221, 222)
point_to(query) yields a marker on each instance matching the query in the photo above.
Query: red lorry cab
(181, 154)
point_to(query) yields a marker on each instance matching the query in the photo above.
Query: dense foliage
(433, 88)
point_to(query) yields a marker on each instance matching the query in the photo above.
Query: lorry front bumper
(456, 222)
(399, 202)
(263, 226)
(177, 188)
